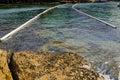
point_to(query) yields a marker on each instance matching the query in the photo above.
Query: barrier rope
(106, 23)
(25, 24)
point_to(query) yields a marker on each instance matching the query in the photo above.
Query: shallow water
(13, 16)
(64, 30)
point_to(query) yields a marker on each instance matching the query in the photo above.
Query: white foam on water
(106, 77)
(119, 76)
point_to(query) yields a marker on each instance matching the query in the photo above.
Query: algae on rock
(28, 65)
(5, 73)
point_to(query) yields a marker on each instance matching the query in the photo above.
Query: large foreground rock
(5, 73)
(51, 66)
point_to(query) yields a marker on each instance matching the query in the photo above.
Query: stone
(29, 65)
(5, 73)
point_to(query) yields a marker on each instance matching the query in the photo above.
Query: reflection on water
(64, 30)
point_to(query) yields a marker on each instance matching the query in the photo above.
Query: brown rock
(5, 73)
(51, 66)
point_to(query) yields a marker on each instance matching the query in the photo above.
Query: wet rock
(5, 73)
(28, 65)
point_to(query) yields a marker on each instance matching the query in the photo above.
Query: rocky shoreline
(30, 65)
(5, 73)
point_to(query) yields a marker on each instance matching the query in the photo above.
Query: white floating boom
(73, 7)
(24, 25)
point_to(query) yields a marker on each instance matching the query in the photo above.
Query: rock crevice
(5, 73)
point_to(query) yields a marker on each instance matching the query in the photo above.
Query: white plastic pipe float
(73, 7)
(24, 25)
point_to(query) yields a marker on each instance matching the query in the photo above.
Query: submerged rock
(5, 73)
(27, 65)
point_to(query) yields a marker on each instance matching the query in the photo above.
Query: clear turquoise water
(13, 16)
(106, 11)
(64, 30)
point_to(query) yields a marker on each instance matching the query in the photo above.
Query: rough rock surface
(5, 73)
(28, 65)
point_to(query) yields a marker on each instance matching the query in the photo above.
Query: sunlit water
(64, 30)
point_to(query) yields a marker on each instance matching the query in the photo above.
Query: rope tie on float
(106, 23)
(25, 24)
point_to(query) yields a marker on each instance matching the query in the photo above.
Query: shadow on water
(14, 16)
(24, 40)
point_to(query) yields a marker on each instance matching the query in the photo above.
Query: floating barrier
(49, 9)
(24, 25)
(106, 23)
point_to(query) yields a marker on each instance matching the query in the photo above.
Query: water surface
(64, 30)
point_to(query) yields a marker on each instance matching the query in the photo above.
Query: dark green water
(64, 30)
